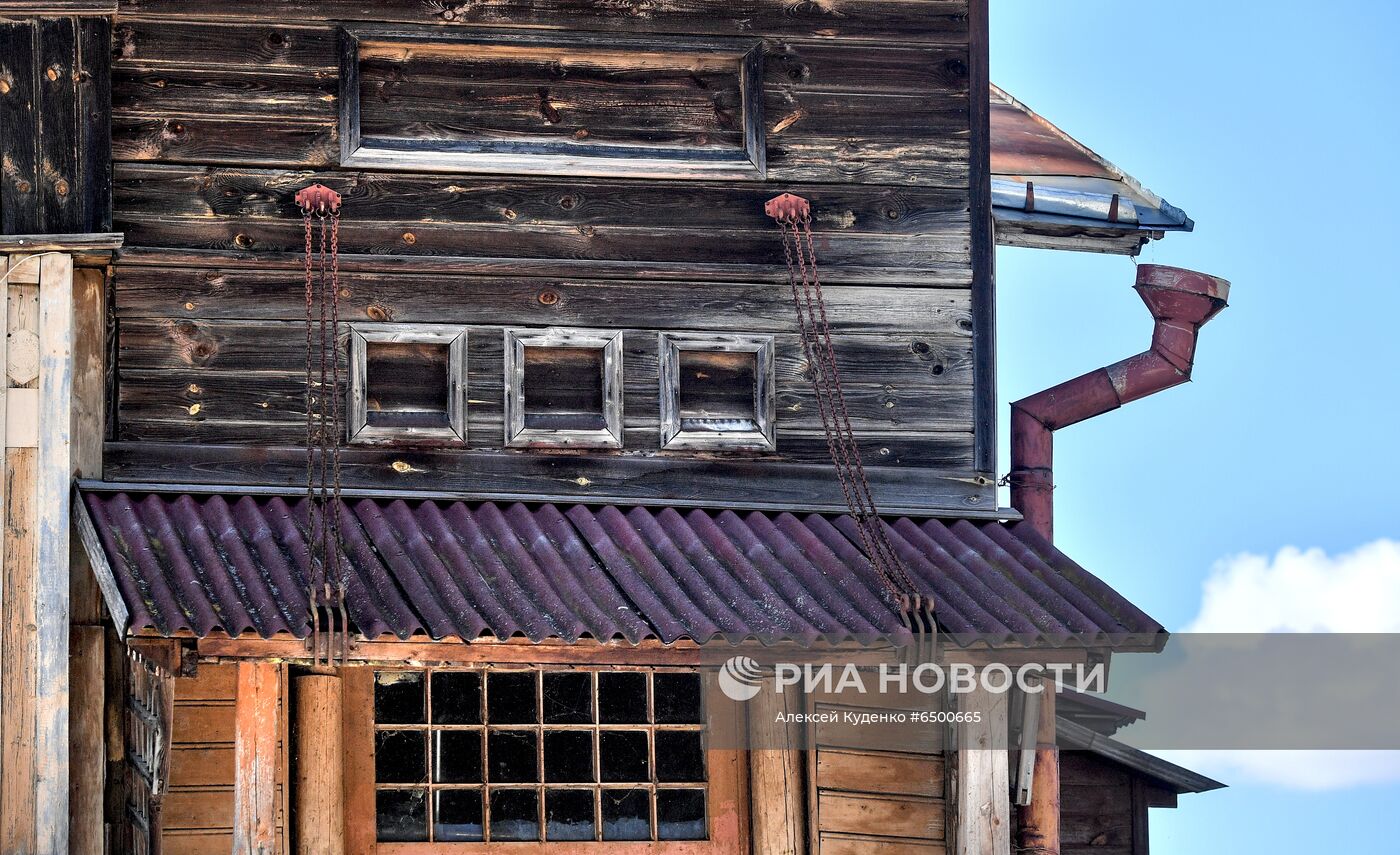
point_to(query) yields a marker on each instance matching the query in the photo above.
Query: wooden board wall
(223, 110)
(198, 810)
(54, 131)
(876, 789)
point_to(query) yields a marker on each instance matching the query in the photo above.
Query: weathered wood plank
(201, 293)
(933, 21)
(87, 749)
(553, 477)
(854, 844)
(526, 203)
(318, 794)
(982, 799)
(94, 126)
(257, 710)
(893, 816)
(53, 492)
(776, 772)
(17, 665)
(60, 191)
(203, 724)
(938, 258)
(20, 210)
(880, 772)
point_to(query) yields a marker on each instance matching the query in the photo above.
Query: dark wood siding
(54, 137)
(223, 110)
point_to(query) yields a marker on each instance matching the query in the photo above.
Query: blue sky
(1275, 127)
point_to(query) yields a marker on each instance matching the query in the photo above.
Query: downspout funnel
(1181, 302)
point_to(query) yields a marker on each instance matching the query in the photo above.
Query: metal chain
(815, 333)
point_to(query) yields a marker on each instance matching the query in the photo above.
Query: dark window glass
(515, 815)
(622, 698)
(568, 814)
(677, 699)
(456, 697)
(398, 697)
(626, 815)
(568, 698)
(510, 698)
(680, 814)
(513, 756)
(457, 815)
(401, 815)
(680, 757)
(406, 384)
(400, 756)
(717, 390)
(563, 388)
(568, 756)
(623, 756)
(457, 757)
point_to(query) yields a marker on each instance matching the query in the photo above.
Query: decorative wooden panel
(533, 102)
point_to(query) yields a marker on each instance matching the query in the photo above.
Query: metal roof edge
(1179, 778)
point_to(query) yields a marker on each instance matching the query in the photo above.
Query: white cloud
(1304, 591)
(1301, 591)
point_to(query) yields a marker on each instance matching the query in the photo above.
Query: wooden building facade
(582, 439)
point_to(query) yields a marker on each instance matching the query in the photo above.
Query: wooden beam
(255, 758)
(317, 781)
(52, 495)
(86, 740)
(1040, 820)
(983, 801)
(100, 241)
(776, 775)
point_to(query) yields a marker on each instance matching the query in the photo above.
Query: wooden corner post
(255, 730)
(318, 806)
(983, 779)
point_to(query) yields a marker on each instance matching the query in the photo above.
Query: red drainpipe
(1181, 301)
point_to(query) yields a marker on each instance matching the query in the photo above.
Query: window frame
(674, 436)
(360, 431)
(727, 782)
(517, 435)
(501, 156)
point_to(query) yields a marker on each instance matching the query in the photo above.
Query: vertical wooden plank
(94, 106)
(86, 745)
(4, 402)
(17, 795)
(1040, 820)
(1140, 837)
(88, 419)
(19, 190)
(777, 771)
(984, 318)
(357, 736)
(51, 612)
(55, 75)
(983, 799)
(256, 711)
(317, 782)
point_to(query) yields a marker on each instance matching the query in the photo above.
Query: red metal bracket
(788, 208)
(318, 198)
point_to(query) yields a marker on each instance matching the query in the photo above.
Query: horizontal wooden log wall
(198, 810)
(223, 110)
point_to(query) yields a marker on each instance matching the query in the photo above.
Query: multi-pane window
(545, 756)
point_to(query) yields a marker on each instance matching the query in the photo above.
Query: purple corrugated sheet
(237, 564)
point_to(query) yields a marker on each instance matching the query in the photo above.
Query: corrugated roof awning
(236, 564)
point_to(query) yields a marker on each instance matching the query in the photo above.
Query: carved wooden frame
(454, 338)
(549, 157)
(519, 436)
(675, 436)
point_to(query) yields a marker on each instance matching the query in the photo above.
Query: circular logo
(740, 679)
